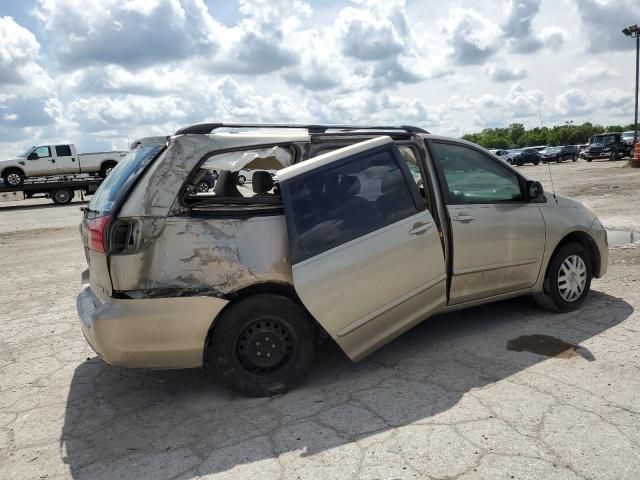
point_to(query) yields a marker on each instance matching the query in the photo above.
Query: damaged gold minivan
(353, 232)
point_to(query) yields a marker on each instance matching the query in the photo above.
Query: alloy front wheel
(567, 280)
(572, 278)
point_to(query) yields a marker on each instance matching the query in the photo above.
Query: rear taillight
(96, 229)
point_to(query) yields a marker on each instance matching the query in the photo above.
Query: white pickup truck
(47, 160)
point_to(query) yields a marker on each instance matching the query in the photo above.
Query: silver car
(361, 233)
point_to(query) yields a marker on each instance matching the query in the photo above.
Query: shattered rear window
(238, 175)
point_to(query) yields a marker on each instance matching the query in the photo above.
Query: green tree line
(516, 136)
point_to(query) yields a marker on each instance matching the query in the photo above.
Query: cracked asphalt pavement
(448, 399)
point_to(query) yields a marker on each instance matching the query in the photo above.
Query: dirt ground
(461, 396)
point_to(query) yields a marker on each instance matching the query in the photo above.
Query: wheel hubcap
(107, 171)
(572, 278)
(13, 179)
(62, 196)
(265, 345)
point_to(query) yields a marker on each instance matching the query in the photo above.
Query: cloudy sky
(102, 73)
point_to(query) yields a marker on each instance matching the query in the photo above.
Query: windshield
(603, 139)
(122, 177)
(26, 152)
(627, 135)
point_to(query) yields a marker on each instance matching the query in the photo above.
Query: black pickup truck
(606, 145)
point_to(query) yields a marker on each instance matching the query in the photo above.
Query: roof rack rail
(204, 128)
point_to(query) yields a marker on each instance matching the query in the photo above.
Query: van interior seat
(261, 182)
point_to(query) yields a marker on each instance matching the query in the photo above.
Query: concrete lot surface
(460, 396)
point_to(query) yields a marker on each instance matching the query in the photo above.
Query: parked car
(627, 137)
(581, 149)
(528, 155)
(47, 160)
(551, 154)
(362, 237)
(570, 152)
(559, 154)
(606, 145)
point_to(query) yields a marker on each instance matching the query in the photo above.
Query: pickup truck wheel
(13, 177)
(261, 346)
(574, 159)
(568, 279)
(106, 168)
(588, 159)
(62, 196)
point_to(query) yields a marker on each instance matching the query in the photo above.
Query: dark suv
(528, 155)
(606, 145)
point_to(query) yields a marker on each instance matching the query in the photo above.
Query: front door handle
(419, 228)
(464, 218)
(53, 160)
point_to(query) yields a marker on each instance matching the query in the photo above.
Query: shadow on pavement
(123, 423)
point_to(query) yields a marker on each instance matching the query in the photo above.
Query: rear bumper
(152, 332)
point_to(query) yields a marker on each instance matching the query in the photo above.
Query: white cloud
(573, 102)
(369, 34)
(19, 51)
(593, 71)
(472, 37)
(135, 33)
(505, 73)
(553, 37)
(603, 20)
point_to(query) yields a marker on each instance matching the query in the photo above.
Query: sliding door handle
(464, 218)
(419, 228)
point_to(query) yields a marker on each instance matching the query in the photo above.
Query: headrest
(262, 182)
(226, 185)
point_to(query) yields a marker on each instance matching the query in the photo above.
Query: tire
(106, 167)
(240, 343)
(62, 196)
(242, 179)
(613, 156)
(13, 177)
(560, 295)
(536, 162)
(574, 159)
(589, 159)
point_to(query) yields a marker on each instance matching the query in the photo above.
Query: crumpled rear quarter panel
(217, 256)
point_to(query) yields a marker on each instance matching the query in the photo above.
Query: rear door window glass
(63, 150)
(340, 203)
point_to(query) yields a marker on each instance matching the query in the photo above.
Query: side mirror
(534, 190)
(32, 156)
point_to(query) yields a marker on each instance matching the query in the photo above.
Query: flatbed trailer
(61, 188)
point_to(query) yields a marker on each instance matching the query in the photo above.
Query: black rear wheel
(62, 196)
(106, 168)
(261, 346)
(13, 177)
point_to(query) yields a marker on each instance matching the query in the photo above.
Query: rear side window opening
(118, 183)
(240, 177)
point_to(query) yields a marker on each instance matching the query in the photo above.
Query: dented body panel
(183, 265)
(216, 256)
